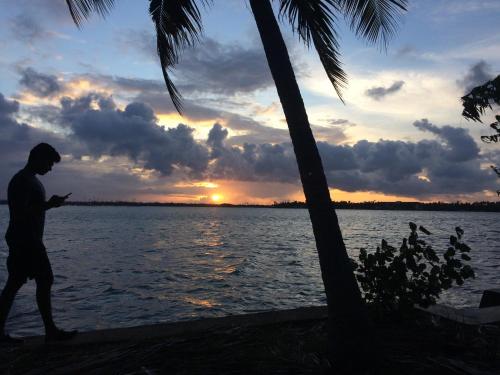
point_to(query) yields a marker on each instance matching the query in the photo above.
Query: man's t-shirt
(26, 197)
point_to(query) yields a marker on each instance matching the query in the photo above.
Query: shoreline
(275, 342)
(188, 327)
(342, 205)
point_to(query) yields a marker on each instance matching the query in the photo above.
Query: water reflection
(200, 302)
(126, 266)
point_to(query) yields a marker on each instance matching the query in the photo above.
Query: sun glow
(216, 198)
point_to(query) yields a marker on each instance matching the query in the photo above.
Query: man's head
(42, 158)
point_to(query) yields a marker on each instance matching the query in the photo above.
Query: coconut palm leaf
(314, 22)
(82, 9)
(178, 25)
(373, 19)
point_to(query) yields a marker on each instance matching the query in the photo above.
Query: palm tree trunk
(347, 315)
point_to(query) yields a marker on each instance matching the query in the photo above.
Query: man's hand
(57, 201)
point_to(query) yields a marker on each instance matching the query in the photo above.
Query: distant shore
(343, 205)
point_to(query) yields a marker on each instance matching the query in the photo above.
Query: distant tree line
(405, 206)
(344, 205)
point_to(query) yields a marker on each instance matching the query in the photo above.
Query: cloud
(459, 144)
(17, 138)
(223, 69)
(7, 108)
(250, 162)
(26, 28)
(378, 93)
(338, 121)
(133, 132)
(478, 74)
(39, 84)
(132, 144)
(210, 66)
(216, 138)
(451, 164)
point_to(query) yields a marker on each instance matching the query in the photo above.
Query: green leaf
(422, 229)
(465, 257)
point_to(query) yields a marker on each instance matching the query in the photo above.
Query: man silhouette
(27, 254)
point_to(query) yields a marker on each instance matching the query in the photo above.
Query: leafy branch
(415, 274)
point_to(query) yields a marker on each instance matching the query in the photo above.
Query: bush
(414, 275)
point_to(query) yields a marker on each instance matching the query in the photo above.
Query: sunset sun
(216, 198)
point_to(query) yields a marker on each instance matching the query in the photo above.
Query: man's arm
(55, 201)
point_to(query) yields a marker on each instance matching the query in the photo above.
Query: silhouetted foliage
(397, 280)
(475, 105)
(480, 98)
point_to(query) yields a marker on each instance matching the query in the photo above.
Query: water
(125, 266)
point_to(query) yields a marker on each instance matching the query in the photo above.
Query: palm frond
(82, 9)
(178, 25)
(314, 22)
(373, 19)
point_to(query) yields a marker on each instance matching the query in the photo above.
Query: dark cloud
(459, 145)
(223, 69)
(478, 74)
(255, 132)
(39, 84)
(448, 164)
(251, 162)
(210, 66)
(7, 107)
(338, 121)
(133, 85)
(216, 138)
(154, 94)
(134, 133)
(381, 92)
(17, 139)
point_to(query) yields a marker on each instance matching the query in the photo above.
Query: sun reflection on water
(200, 302)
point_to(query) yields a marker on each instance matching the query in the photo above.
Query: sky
(97, 95)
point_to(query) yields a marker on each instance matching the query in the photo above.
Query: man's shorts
(33, 263)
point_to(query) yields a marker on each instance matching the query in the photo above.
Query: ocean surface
(126, 266)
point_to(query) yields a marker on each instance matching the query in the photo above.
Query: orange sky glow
(238, 192)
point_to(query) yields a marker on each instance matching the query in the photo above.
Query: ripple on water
(144, 265)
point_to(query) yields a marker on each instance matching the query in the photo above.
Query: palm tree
(178, 25)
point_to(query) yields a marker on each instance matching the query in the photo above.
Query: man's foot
(5, 339)
(60, 335)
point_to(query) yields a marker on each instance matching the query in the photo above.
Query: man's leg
(43, 299)
(7, 298)
(44, 281)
